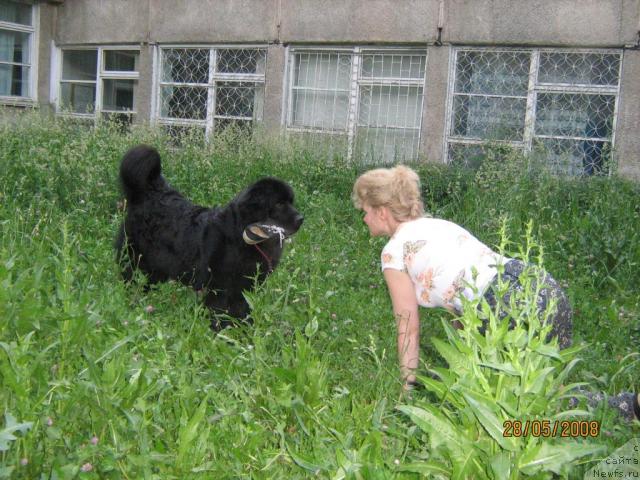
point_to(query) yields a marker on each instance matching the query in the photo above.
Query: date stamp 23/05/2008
(551, 428)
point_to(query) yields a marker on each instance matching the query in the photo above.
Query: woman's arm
(405, 309)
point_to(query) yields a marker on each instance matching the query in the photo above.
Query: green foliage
(111, 389)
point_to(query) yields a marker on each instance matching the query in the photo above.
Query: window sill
(18, 102)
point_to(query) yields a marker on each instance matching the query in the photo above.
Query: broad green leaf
(536, 380)
(441, 391)
(427, 468)
(456, 361)
(548, 351)
(303, 461)
(549, 457)
(311, 328)
(509, 408)
(439, 428)
(502, 367)
(463, 464)
(189, 432)
(501, 465)
(485, 412)
(10, 427)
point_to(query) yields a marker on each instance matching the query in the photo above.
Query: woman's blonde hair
(397, 188)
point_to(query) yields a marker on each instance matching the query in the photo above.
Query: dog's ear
(259, 232)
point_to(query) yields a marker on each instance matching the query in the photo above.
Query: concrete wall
(277, 23)
(45, 34)
(585, 23)
(628, 126)
(359, 21)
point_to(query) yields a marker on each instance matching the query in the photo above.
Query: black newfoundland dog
(217, 250)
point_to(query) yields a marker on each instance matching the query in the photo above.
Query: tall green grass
(96, 384)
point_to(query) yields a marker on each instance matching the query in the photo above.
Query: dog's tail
(140, 171)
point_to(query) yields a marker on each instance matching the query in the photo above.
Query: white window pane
(393, 66)
(574, 115)
(185, 65)
(119, 95)
(184, 102)
(14, 46)
(394, 106)
(237, 99)
(121, 61)
(579, 68)
(327, 71)
(327, 110)
(492, 73)
(15, 12)
(384, 145)
(78, 97)
(79, 64)
(488, 118)
(465, 154)
(237, 60)
(14, 80)
(574, 157)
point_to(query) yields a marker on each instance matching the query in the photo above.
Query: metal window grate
(368, 101)
(562, 103)
(210, 87)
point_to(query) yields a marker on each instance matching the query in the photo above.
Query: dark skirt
(561, 318)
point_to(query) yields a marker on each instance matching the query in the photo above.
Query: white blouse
(443, 260)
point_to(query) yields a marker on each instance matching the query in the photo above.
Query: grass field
(99, 380)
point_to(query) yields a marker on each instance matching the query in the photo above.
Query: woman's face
(375, 220)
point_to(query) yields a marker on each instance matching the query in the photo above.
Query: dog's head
(269, 202)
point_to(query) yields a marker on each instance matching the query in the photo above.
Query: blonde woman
(431, 262)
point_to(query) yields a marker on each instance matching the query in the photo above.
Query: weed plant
(100, 380)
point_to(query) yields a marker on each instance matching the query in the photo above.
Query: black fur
(168, 237)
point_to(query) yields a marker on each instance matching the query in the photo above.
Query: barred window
(370, 100)
(99, 82)
(210, 88)
(16, 51)
(562, 103)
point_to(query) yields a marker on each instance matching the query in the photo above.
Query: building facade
(388, 80)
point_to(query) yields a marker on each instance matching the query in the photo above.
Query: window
(210, 88)
(16, 51)
(561, 102)
(99, 82)
(370, 100)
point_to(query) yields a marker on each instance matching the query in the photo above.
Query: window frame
(534, 89)
(357, 80)
(101, 75)
(214, 78)
(33, 32)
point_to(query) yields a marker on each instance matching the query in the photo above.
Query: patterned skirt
(549, 292)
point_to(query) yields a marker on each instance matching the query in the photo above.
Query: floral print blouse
(443, 260)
